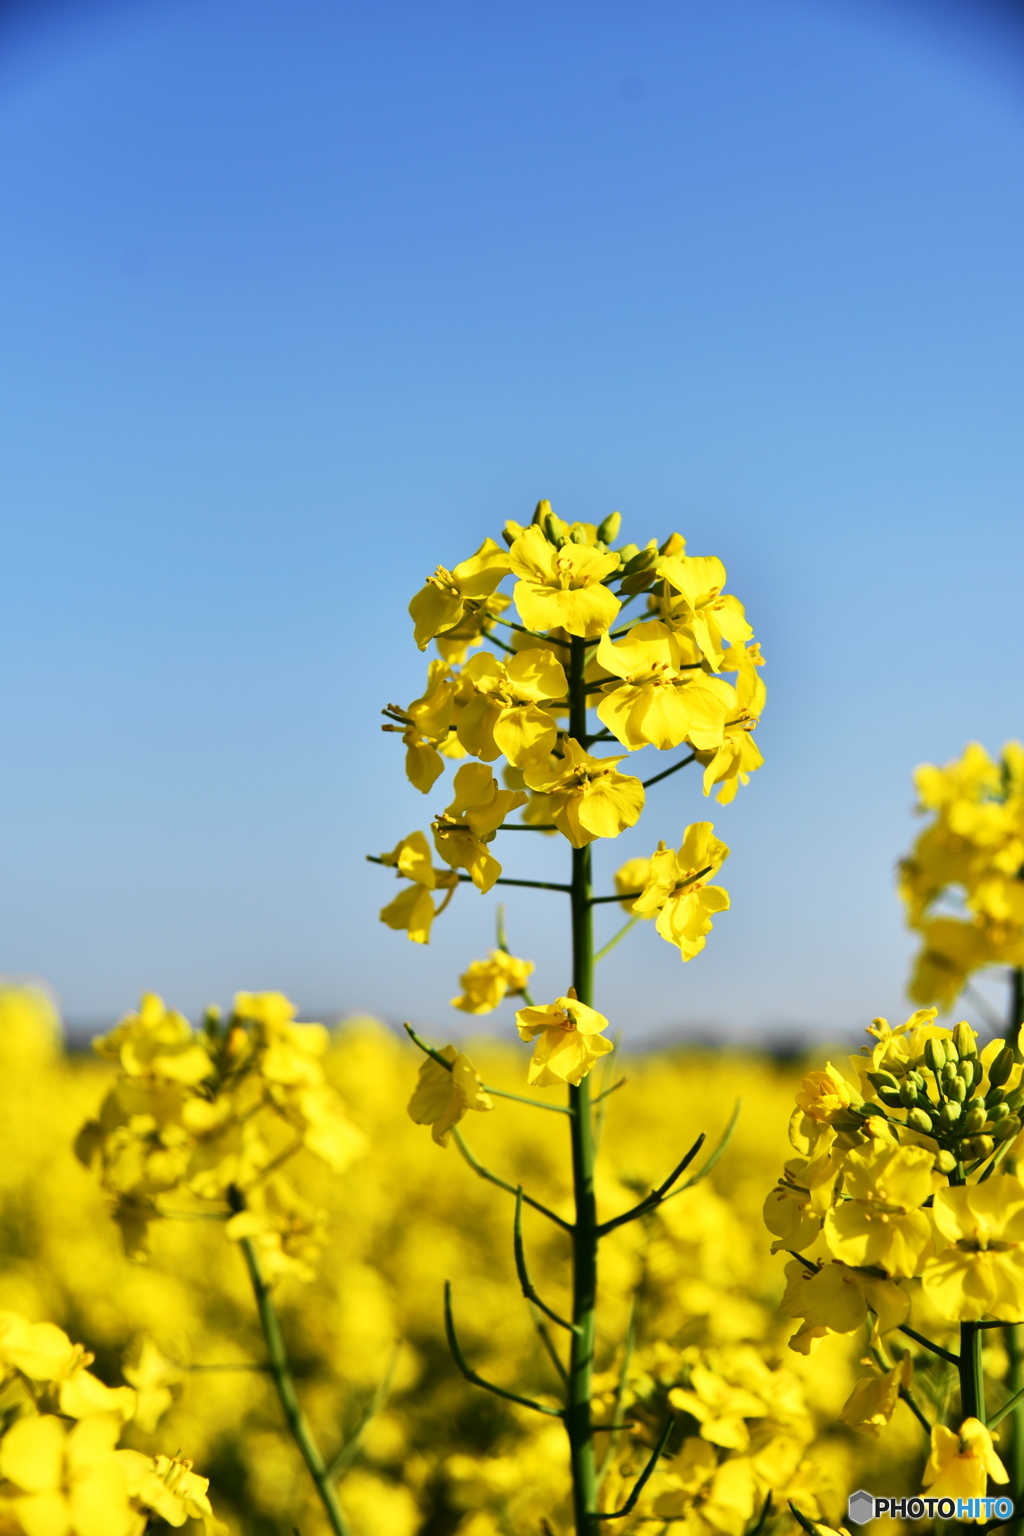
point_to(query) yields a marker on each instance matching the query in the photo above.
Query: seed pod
(1001, 1068)
(935, 1054)
(963, 1039)
(919, 1120)
(950, 1113)
(973, 1120)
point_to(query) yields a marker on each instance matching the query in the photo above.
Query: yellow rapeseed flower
(664, 697)
(504, 714)
(569, 1040)
(981, 1272)
(873, 1400)
(677, 891)
(587, 798)
(882, 1223)
(442, 1097)
(475, 814)
(562, 588)
(485, 982)
(413, 910)
(711, 616)
(441, 604)
(961, 1463)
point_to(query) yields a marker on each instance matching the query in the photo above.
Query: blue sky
(297, 300)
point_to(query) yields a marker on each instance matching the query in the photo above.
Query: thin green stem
(1016, 1018)
(492, 1178)
(656, 1196)
(664, 774)
(578, 1410)
(343, 1458)
(620, 1389)
(501, 1093)
(280, 1369)
(474, 1376)
(642, 1480)
(528, 1288)
(547, 639)
(972, 1381)
(616, 937)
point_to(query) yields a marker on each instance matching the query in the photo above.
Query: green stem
(972, 1384)
(1016, 1018)
(578, 1413)
(280, 1369)
(615, 939)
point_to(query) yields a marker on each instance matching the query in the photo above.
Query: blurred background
(298, 300)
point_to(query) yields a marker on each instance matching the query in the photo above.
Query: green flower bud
(608, 530)
(966, 1073)
(979, 1146)
(935, 1055)
(890, 1097)
(883, 1080)
(993, 1097)
(973, 1120)
(958, 1090)
(1016, 1098)
(945, 1162)
(908, 1093)
(1007, 1127)
(950, 1112)
(1001, 1068)
(963, 1039)
(949, 1076)
(998, 1112)
(919, 1120)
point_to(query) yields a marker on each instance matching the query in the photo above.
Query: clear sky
(300, 297)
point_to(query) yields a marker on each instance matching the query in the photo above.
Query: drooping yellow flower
(476, 623)
(711, 1498)
(58, 1370)
(587, 797)
(413, 910)
(788, 1212)
(873, 1400)
(441, 604)
(475, 814)
(711, 616)
(664, 697)
(504, 715)
(485, 982)
(981, 1273)
(882, 1222)
(678, 892)
(569, 1040)
(563, 587)
(168, 1487)
(836, 1299)
(158, 1383)
(441, 1097)
(961, 1463)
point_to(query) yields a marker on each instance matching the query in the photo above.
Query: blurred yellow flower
(677, 891)
(441, 1097)
(981, 1272)
(485, 982)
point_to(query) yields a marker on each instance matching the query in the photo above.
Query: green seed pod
(950, 1113)
(1001, 1068)
(920, 1120)
(973, 1120)
(935, 1055)
(608, 530)
(963, 1039)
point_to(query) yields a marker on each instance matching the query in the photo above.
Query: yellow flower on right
(676, 889)
(962, 1462)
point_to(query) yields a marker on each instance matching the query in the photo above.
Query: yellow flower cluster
(398, 1225)
(211, 1116)
(659, 681)
(971, 853)
(62, 1470)
(904, 1213)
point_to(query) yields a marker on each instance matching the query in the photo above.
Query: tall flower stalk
(654, 682)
